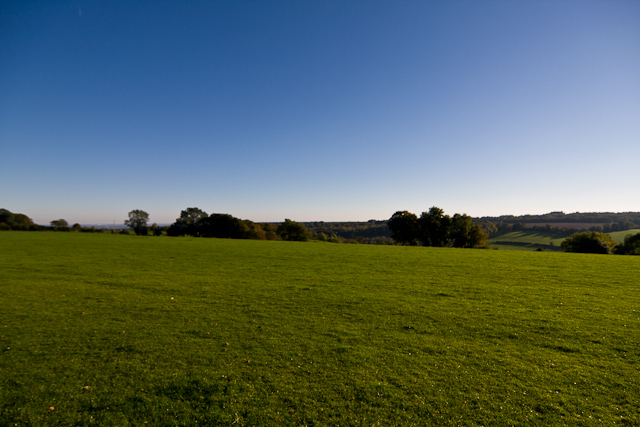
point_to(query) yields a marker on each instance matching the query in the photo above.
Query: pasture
(618, 236)
(527, 240)
(531, 240)
(118, 330)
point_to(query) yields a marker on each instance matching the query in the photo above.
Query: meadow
(119, 330)
(531, 240)
(527, 240)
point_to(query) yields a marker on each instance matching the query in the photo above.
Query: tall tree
(404, 227)
(434, 227)
(138, 221)
(188, 223)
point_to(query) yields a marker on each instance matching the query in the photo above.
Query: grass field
(527, 240)
(125, 330)
(618, 236)
(531, 240)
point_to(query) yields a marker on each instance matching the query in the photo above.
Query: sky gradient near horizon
(318, 110)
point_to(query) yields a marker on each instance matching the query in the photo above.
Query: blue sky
(318, 110)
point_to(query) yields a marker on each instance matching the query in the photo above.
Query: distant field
(118, 330)
(531, 240)
(527, 240)
(619, 236)
(566, 224)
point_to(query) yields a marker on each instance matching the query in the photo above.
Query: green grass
(528, 240)
(531, 240)
(618, 236)
(125, 330)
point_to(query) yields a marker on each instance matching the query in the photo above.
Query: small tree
(156, 230)
(589, 242)
(60, 225)
(138, 222)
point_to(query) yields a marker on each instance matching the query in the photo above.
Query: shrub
(631, 245)
(590, 242)
(293, 231)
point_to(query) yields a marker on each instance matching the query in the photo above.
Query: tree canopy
(15, 221)
(138, 221)
(404, 228)
(188, 223)
(434, 228)
(293, 231)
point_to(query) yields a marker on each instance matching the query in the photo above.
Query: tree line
(607, 221)
(434, 228)
(196, 222)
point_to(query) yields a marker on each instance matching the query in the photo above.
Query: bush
(631, 245)
(589, 242)
(293, 231)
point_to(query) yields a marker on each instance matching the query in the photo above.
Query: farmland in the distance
(125, 330)
(531, 240)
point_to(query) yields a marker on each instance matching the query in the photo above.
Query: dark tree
(434, 227)
(404, 228)
(631, 245)
(590, 242)
(16, 221)
(293, 231)
(222, 226)
(156, 230)
(138, 222)
(466, 234)
(188, 223)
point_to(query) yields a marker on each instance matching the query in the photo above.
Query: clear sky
(318, 110)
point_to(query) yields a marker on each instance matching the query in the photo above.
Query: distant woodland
(432, 228)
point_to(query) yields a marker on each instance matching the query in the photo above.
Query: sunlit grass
(127, 330)
(529, 240)
(618, 236)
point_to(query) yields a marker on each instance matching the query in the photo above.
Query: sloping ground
(585, 225)
(534, 240)
(619, 236)
(527, 240)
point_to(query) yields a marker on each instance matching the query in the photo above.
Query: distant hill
(573, 220)
(373, 231)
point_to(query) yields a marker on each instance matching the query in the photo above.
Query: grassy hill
(618, 236)
(527, 240)
(118, 330)
(532, 240)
